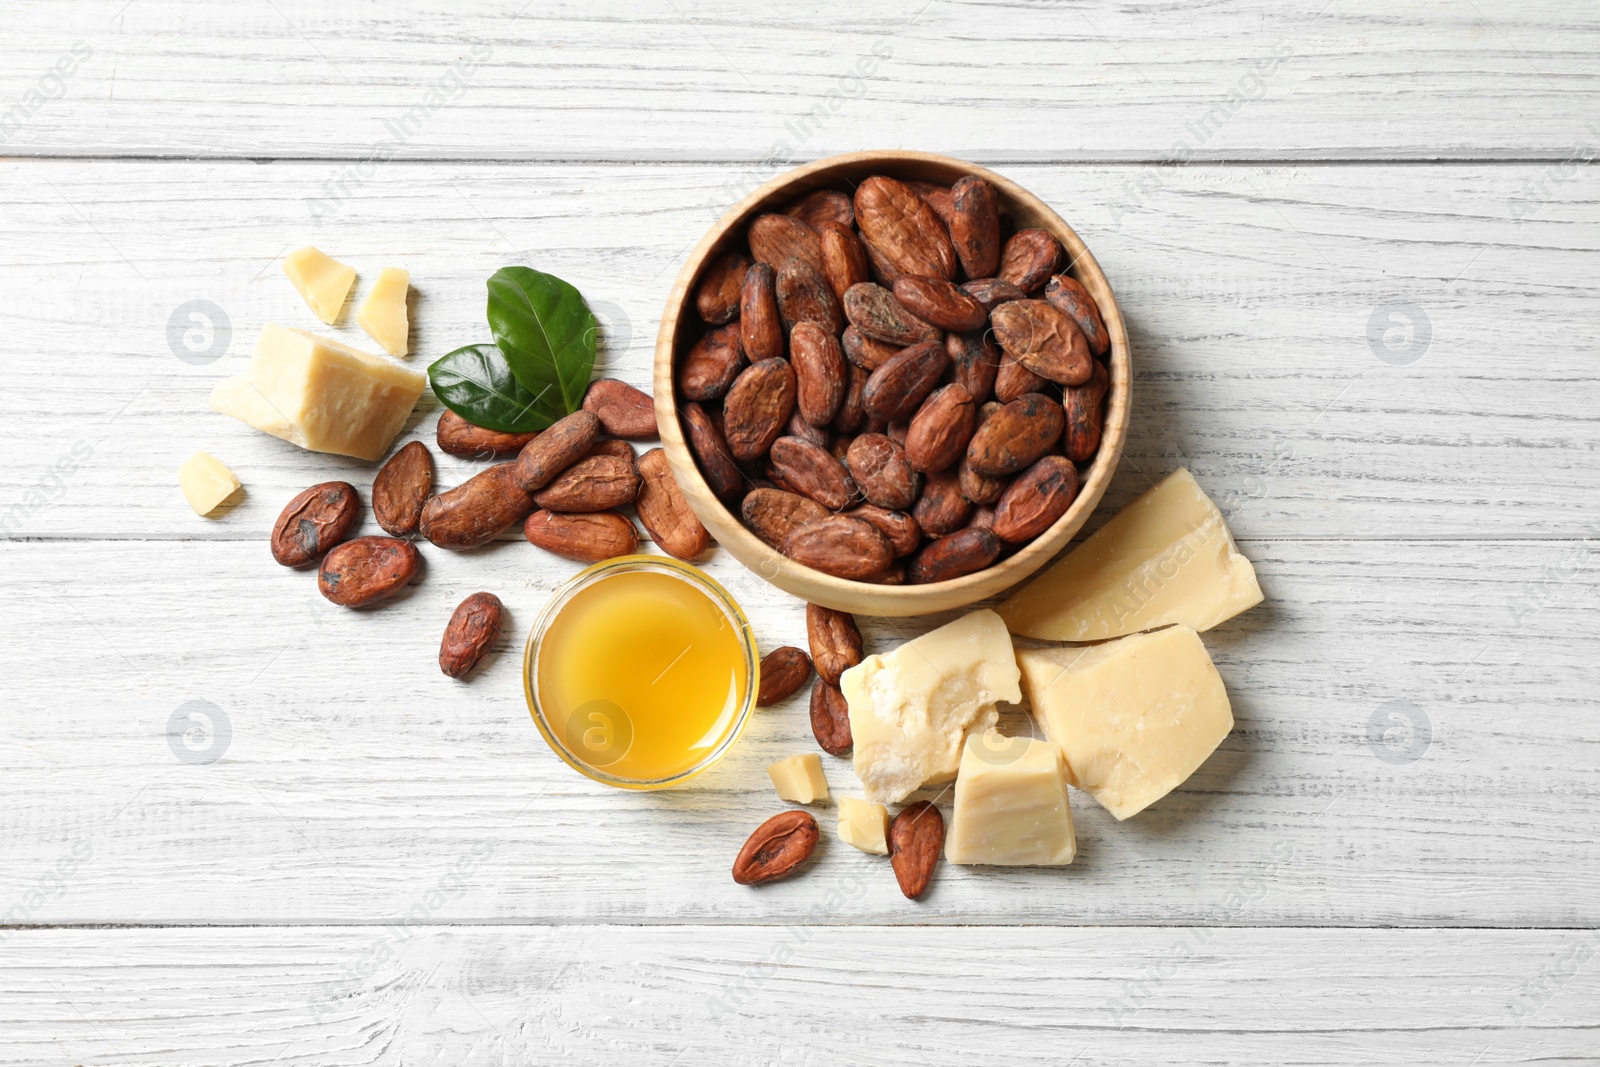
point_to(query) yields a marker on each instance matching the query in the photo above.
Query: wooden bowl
(681, 326)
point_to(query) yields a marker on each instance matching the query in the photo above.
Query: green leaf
(476, 383)
(547, 334)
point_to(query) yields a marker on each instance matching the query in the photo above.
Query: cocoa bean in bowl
(891, 343)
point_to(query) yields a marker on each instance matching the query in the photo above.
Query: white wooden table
(1364, 313)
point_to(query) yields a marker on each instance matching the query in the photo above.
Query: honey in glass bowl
(641, 672)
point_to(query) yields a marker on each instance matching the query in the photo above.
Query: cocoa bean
(774, 239)
(1044, 339)
(623, 411)
(941, 509)
(474, 512)
(874, 311)
(1016, 435)
(1013, 380)
(1029, 258)
(975, 226)
(760, 326)
(568, 440)
(992, 292)
(797, 426)
(936, 301)
(473, 629)
(584, 537)
(940, 429)
(366, 570)
(712, 364)
(313, 522)
(868, 353)
(458, 437)
(835, 641)
(1085, 407)
(966, 551)
(772, 513)
(777, 848)
(402, 488)
(821, 207)
(1069, 294)
(805, 296)
(844, 260)
(902, 228)
(813, 471)
(979, 488)
(974, 362)
(830, 719)
(716, 297)
(783, 671)
(898, 388)
(665, 511)
(881, 471)
(1035, 499)
(853, 411)
(819, 371)
(843, 547)
(722, 474)
(898, 528)
(757, 406)
(916, 837)
(598, 483)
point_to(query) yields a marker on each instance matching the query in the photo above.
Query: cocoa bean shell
(402, 488)
(470, 634)
(313, 522)
(366, 570)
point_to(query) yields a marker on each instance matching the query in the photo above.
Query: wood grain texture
(1419, 709)
(710, 79)
(1258, 301)
(797, 995)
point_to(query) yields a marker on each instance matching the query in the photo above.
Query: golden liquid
(640, 674)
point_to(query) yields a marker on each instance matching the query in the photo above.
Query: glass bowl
(548, 717)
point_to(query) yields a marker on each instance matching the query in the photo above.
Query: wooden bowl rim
(890, 600)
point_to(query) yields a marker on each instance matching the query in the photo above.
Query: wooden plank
(607, 995)
(1414, 746)
(707, 79)
(1260, 301)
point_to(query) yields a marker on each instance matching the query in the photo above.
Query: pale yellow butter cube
(864, 825)
(383, 312)
(911, 709)
(320, 394)
(1011, 805)
(206, 482)
(1165, 558)
(323, 282)
(1134, 717)
(799, 779)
